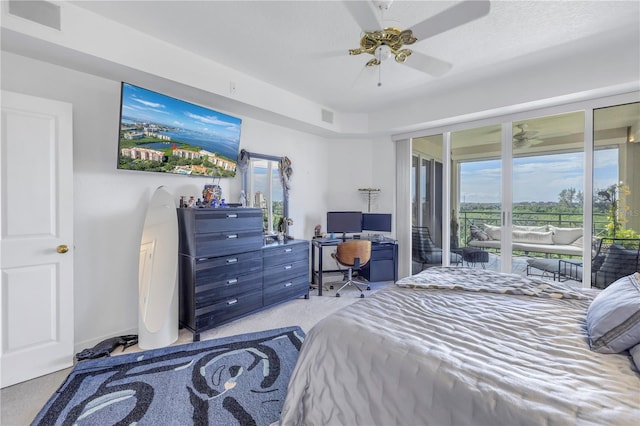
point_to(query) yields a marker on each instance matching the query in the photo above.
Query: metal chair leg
(350, 281)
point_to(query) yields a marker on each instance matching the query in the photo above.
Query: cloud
(147, 103)
(538, 178)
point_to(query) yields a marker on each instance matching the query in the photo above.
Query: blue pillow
(613, 318)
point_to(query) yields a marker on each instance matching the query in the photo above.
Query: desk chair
(354, 255)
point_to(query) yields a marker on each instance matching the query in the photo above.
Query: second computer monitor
(380, 222)
(344, 222)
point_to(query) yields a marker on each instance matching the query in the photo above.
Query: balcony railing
(560, 220)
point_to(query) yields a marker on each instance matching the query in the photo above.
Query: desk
(383, 265)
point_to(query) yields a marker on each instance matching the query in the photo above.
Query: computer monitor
(380, 222)
(344, 222)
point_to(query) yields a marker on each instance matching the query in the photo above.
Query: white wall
(110, 205)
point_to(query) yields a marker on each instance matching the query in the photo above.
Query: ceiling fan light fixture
(384, 44)
(383, 53)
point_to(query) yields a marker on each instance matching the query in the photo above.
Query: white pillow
(533, 237)
(565, 236)
(492, 231)
(542, 228)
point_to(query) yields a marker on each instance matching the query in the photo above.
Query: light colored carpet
(20, 403)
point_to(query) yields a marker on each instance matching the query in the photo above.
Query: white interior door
(36, 238)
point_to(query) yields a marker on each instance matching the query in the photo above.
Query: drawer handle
(232, 215)
(288, 284)
(233, 260)
(232, 302)
(229, 237)
(286, 268)
(232, 281)
(287, 250)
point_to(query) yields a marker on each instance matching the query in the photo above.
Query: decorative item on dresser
(227, 272)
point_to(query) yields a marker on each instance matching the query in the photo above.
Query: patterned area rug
(239, 380)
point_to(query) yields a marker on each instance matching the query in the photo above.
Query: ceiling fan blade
(363, 14)
(455, 16)
(429, 64)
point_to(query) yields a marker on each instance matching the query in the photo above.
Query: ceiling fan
(391, 41)
(524, 138)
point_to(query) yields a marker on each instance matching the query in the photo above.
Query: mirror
(158, 274)
(266, 186)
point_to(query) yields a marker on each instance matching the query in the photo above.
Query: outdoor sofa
(546, 239)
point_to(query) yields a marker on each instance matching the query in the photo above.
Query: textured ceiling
(302, 46)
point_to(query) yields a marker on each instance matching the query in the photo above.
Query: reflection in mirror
(264, 188)
(158, 273)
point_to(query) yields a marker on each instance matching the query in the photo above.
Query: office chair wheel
(368, 287)
(331, 287)
(361, 296)
(337, 294)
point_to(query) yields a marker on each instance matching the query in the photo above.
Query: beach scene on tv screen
(159, 133)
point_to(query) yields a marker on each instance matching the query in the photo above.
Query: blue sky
(146, 105)
(538, 178)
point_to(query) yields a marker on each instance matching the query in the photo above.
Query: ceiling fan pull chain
(380, 75)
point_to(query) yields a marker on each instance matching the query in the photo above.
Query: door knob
(62, 248)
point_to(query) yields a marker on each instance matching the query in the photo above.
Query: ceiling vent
(42, 12)
(327, 116)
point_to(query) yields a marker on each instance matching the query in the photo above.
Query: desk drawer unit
(383, 264)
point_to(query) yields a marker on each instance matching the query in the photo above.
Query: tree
(612, 200)
(570, 198)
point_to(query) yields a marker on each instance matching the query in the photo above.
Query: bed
(461, 346)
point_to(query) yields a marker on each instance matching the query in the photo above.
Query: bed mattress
(451, 356)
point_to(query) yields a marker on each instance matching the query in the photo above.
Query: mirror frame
(258, 156)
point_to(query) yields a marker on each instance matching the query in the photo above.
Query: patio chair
(614, 259)
(425, 252)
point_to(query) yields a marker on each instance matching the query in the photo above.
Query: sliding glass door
(616, 193)
(426, 201)
(548, 195)
(524, 190)
(541, 172)
(476, 196)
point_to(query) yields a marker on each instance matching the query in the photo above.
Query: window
(263, 188)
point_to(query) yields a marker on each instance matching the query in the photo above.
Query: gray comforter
(458, 355)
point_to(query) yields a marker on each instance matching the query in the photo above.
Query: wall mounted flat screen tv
(159, 133)
(380, 222)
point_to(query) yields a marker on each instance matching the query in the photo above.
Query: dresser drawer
(285, 253)
(213, 232)
(227, 309)
(285, 271)
(223, 220)
(286, 289)
(220, 244)
(210, 271)
(207, 295)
